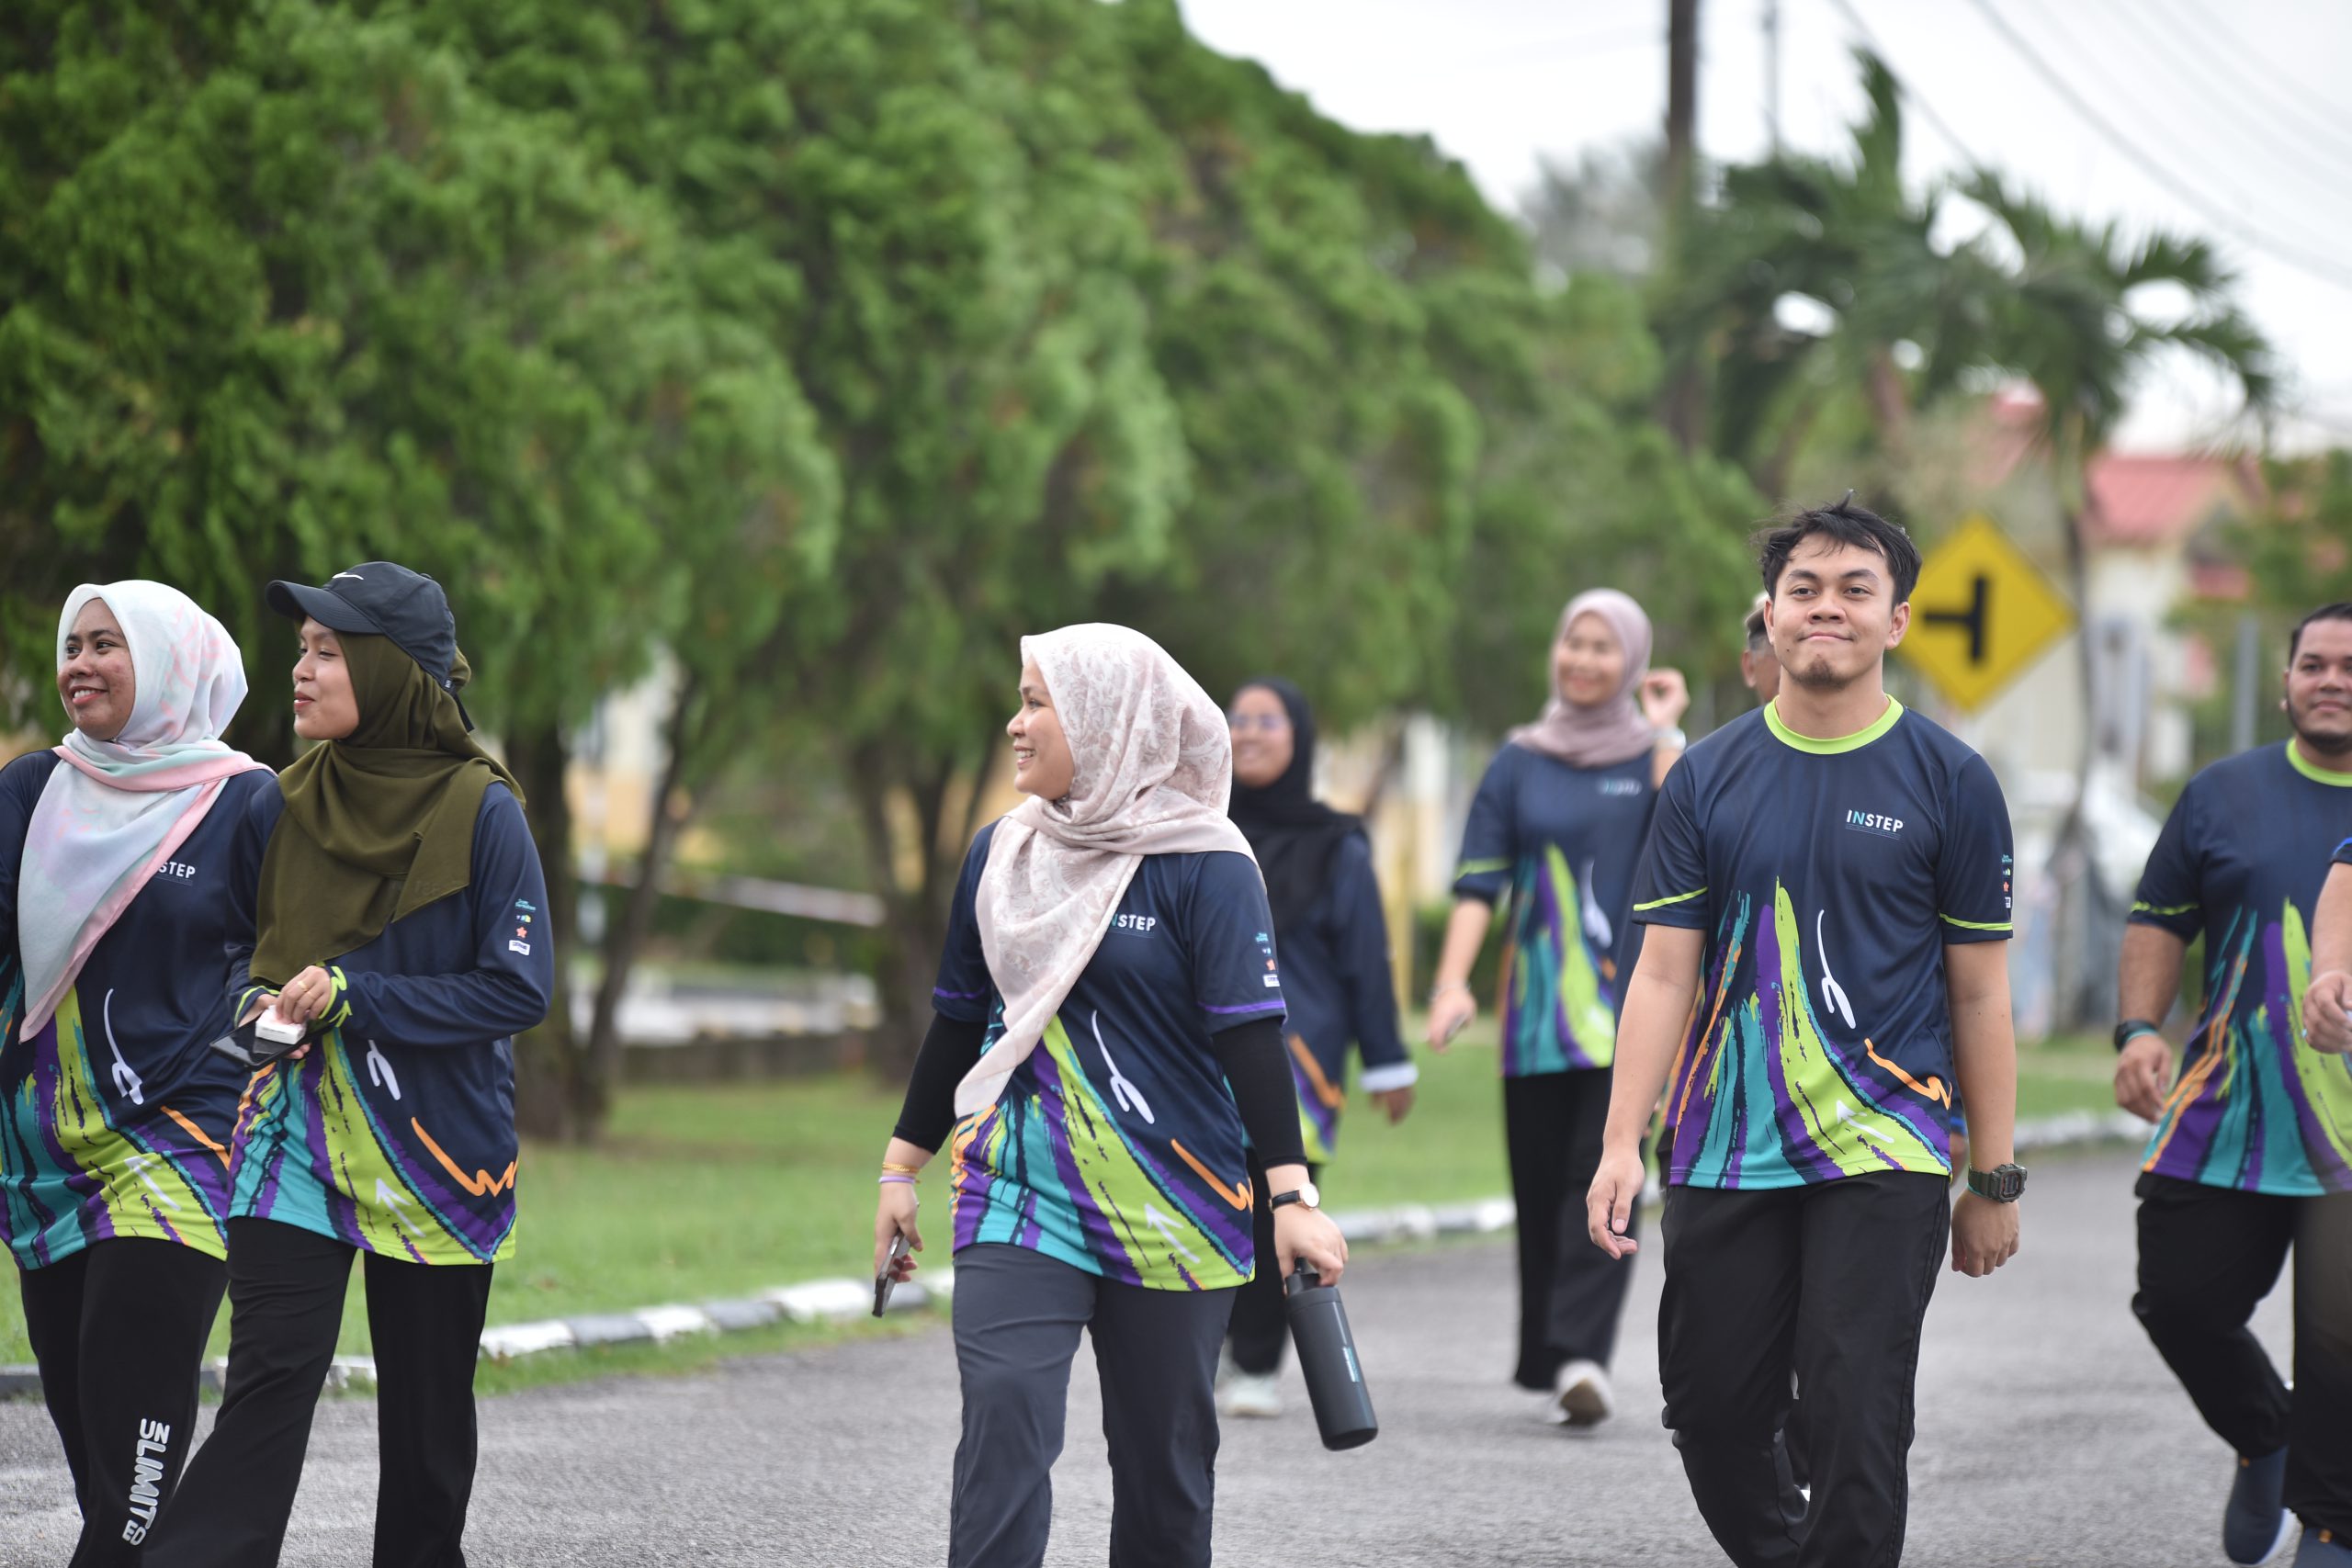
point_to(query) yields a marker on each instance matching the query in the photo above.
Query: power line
(2274, 141)
(2264, 82)
(1927, 110)
(2292, 254)
(2226, 175)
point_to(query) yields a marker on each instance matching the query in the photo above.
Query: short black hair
(1759, 639)
(1848, 524)
(2340, 611)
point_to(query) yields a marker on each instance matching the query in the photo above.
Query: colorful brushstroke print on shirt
(1559, 846)
(2240, 863)
(396, 1133)
(1559, 976)
(1048, 1168)
(2255, 1108)
(1769, 1097)
(1116, 1146)
(312, 1152)
(115, 1113)
(1830, 879)
(76, 1175)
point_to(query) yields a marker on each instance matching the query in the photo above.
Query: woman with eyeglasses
(1554, 834)
(1332, 938)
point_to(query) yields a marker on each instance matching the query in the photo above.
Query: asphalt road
(2049, 1434)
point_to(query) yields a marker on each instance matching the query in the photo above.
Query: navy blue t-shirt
(1116, 1147)
(2239, 861)
(1337, 980)
(119, 1112)
(396, 1133)
(1829, 875)
(1564, 842)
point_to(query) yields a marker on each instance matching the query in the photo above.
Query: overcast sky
(2234, 103)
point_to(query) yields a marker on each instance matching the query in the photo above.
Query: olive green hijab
(377, 824)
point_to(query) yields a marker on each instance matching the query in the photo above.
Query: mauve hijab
(1607, 732)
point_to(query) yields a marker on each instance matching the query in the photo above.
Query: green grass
(711, 1191)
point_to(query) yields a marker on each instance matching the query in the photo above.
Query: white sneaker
(1581, 1396)
(1248, 1394)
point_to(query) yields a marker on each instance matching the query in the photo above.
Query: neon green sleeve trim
(1662, 903)
(2145, 909)
(1479, 868)
(1981, 925)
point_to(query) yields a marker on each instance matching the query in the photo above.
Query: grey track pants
(1018, 1314)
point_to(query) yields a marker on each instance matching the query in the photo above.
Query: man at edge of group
(1839, 868)
(1333, 939)
(2252, 1153)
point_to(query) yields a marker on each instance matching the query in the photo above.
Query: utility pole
(1773, 73)
(1681, 95)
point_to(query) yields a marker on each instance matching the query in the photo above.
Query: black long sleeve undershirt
(1255, 1061)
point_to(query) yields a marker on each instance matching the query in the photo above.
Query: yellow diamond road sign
(1981, 613)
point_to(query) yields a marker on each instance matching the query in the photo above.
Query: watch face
(1309, 1195)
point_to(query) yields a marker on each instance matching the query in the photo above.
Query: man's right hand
(2326, 1022)
(1609, 1203)
(2142, 1072)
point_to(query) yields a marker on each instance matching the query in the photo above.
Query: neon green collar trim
(1853, 742)
(2312, 770)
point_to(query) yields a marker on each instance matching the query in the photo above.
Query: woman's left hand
(306, 996)
(1301, 1232)
(1664, 695)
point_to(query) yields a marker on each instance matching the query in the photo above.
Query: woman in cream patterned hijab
(1108, 1023)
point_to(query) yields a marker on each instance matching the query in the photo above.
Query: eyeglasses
(1271, 723)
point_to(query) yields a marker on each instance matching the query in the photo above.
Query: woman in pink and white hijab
(115, 1113)
(1107, 1023)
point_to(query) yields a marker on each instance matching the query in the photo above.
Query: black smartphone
(260, 1039)
(886, 1282)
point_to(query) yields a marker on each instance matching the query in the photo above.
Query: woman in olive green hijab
(395, 907)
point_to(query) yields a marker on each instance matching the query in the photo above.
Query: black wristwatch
(2003, 1183)
(2132, 1029)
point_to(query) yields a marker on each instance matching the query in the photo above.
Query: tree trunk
(547, 1068)
(914, 920)
(624, 937)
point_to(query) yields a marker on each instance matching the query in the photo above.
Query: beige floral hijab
(1154, 767)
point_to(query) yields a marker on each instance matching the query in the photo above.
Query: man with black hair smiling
(2253, 1148)
(1841, 869)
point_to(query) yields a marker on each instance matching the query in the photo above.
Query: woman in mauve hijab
(1108, 1022)
(114, 980)
(1554, 836)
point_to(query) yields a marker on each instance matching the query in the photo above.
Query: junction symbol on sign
(1982, 612)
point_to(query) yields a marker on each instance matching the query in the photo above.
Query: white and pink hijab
(118, 809)
(1153, 769)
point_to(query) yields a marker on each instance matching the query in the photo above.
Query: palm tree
(1849, 237)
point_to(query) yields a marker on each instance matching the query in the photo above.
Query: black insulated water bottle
(1326, 1355)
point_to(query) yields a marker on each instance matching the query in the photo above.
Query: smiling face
(96, 679)
(2319, 688)
(1264, 742)
(1042, 763)
(1588, 662)
(1833, 614)
(325, 706)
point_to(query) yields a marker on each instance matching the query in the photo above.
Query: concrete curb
(843, 1301)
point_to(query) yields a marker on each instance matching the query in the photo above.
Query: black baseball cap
(386, 600)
